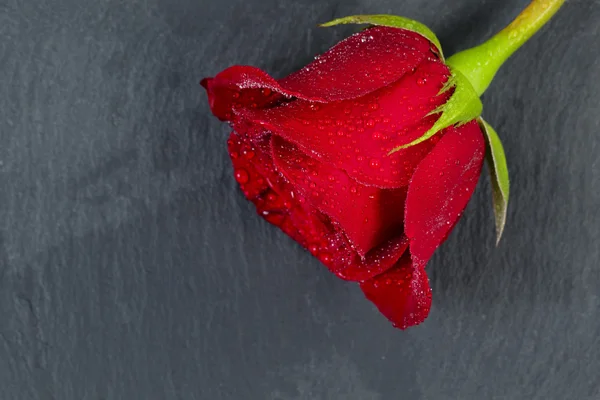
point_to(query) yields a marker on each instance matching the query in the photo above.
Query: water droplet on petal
(241, 175)
(325, 257)
(248, 153)
(374, 163)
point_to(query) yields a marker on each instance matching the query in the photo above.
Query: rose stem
(480, 64)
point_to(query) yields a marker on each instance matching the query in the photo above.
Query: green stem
(480, 64)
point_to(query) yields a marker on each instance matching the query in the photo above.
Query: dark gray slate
(132, 268)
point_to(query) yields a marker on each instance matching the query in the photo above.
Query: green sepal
(463, 106)
(496, 162)
(393, 21)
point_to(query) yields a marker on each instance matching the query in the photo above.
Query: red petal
(441, 188)
(242, 86)
(348, 265)
(360, 64)
(356, 136)
(402, 293)
(366, 214)
(281, 204)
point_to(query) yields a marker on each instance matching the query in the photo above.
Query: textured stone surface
(132, 268)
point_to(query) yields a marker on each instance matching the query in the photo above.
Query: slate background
(132, 268)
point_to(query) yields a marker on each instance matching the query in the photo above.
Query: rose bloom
(312, 152)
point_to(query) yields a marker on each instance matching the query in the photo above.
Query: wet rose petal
(441, 188)
(349, 265)
(366, 214)
(402, 293)
(357, 135)
(360, 64)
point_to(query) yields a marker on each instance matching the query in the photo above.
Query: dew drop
(235, 95)
(325, 257)
(314, 107)
(374, 163)
(248, 153)
(265, 92)
(241, 175)
(421, 81)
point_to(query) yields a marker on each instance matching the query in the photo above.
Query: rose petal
(360, 64)
(243, 86)
(283, 205)
(357, 135)
(349, 265)
(441, 188)
(366, 214)
(402, 293)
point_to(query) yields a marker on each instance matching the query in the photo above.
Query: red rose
(311, 151)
